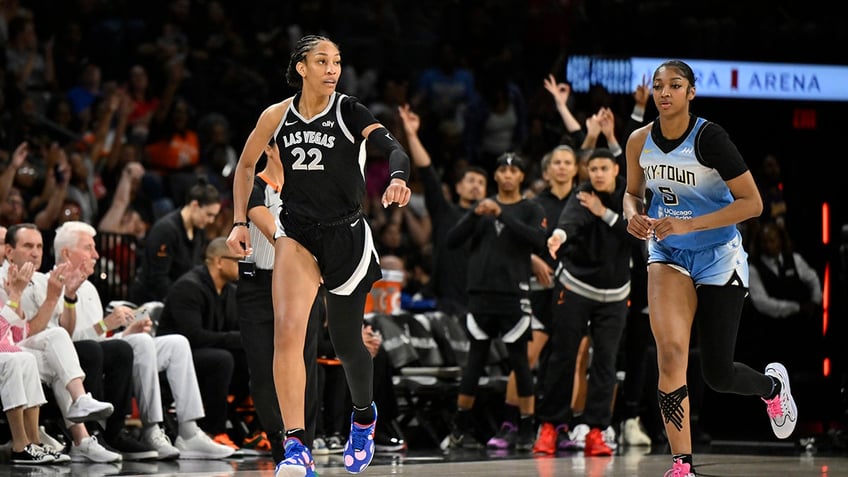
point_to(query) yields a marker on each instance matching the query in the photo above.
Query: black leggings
(717, 320)
(478, 354)
(345, 319)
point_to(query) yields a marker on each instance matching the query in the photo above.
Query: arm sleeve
(359, 117)
(383, 140)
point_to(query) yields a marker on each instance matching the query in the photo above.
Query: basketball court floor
(728, 459)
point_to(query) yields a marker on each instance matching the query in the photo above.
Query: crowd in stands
(120, 126)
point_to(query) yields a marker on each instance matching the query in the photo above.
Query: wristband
(241, 224)
(103, 326)
(70, 306)
(71, 301)
(13, 304)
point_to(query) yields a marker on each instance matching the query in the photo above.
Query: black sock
(363, 416)
(526, 424)
(685, 458)
(298, 433)
(775, 388)
(462, 421)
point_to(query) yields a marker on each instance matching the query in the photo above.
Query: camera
(247, 269)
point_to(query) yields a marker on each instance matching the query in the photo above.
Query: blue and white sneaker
(359, 449)
(298, 461)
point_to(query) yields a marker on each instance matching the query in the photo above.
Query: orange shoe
(258, 441)
(595, 445)
(224, 439)
(546, 443)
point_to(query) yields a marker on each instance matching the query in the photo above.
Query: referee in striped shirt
(256, 309)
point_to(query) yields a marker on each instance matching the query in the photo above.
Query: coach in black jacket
(201, 305)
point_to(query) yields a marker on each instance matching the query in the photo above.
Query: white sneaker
(781, 409)
(202, 446)
(632, 433)
(578, 435)
(319, 447)
(156, 438)
(49, 441)
(609, 437)
(86, 408)
(90, 450)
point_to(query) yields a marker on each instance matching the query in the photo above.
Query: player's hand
(640, 226)
(239, 241)
(396, 193)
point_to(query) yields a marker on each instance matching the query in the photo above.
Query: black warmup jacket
(499, 265)
(594, 252)
(194, 309)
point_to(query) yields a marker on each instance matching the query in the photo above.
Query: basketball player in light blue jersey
(701, 189)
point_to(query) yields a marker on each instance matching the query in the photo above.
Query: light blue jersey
(684, 188)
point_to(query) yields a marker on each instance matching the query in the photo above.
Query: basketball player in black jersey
(325, 237)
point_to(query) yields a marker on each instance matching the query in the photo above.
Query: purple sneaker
(564, 441)
(505, 438)
(359, 449)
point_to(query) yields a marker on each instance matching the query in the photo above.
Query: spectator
(784, 289)
(201, 305)
(449, 264)
(59, 362)
(175, 244)
(20, 386)
(171, 355)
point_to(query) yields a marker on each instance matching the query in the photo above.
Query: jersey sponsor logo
(328, 124)
(355, 222)
(687, 150)
(289, 123)
(309, 137)
(499, 226)
(395, 172)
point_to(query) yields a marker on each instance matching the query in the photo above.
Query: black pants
(108, 367)
(574, 317)
(220, 372)
(256, 322)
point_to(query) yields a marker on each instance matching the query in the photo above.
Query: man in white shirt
(74, 244)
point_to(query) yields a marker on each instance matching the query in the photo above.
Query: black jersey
(324, 159)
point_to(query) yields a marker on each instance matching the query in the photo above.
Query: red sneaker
(546, 443)
(595, 445)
